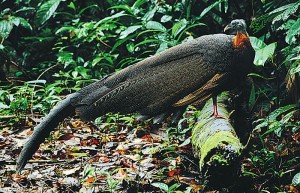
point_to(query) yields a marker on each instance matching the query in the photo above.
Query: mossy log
(216, 144)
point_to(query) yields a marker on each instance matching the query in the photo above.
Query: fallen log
(216, 144)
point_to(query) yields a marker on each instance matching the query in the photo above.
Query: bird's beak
(227, 28)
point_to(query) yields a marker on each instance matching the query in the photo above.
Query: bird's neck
(241, 40)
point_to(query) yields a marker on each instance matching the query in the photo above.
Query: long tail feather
(62, 110)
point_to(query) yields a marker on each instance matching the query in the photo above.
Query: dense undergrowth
(52, 48)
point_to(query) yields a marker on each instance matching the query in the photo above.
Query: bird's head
(235, 26)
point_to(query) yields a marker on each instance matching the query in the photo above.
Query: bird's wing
(206, 91)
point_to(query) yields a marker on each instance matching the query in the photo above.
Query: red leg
(216, 114)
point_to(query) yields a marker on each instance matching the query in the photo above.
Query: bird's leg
(214, 99)
(215, 104)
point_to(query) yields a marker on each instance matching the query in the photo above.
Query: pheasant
(159, 86)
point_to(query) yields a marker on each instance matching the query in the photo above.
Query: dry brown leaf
(65, 137)
(174, 172)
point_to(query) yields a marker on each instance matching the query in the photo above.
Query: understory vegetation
(51, 48)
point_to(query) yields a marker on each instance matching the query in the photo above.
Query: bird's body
(189, 73)
(155, 84)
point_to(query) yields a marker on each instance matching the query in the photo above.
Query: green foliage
(296, 180)
(278, 120)
(5, 28)
(280, 116)
(285, 11)
(45, 11)
(263, 52)
(165, 187)
(291, 26)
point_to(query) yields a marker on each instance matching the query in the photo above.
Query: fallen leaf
(65, 137)
(174, 172)
(70, 181)
(122, 148)
(68, 172)
(121, 174)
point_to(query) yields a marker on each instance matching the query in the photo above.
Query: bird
(159, 86)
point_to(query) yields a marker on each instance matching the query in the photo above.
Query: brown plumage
(160, 85)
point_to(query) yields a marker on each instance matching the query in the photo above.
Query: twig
(102, 41)
(46, 71)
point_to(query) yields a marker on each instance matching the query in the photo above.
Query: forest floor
(120, 154)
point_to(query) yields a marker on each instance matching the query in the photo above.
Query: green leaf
(186, 142)
(65, 58)
(25, 9)
(155, 26)
(286, 11)
(25, 23)
(3, 106)
(293, 32)
(72, 6)
(5, 28)
(173, 187)
(165, 18)
(295, 70)
(280, 110)
(67, 28)
(282, 8)
(257, 43)
(206, 10)
(36, 82)
(149, 15)
(74, 74)
(162, 47)
(178, 27)
(86, 8)
(296, 179)
(45, 11)
(129, 30)
(106, 19)
(147, 41)
(15, 20)
(124, 7)
(263, 54)
(79, 154)
(138, 3)
(120, 42)
(160, 185)
(20, 21)
(130, 47)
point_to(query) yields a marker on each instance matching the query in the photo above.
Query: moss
(219, 139)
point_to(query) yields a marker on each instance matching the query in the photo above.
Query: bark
(216, 144)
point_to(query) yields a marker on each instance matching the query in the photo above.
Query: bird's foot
(218, 116)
